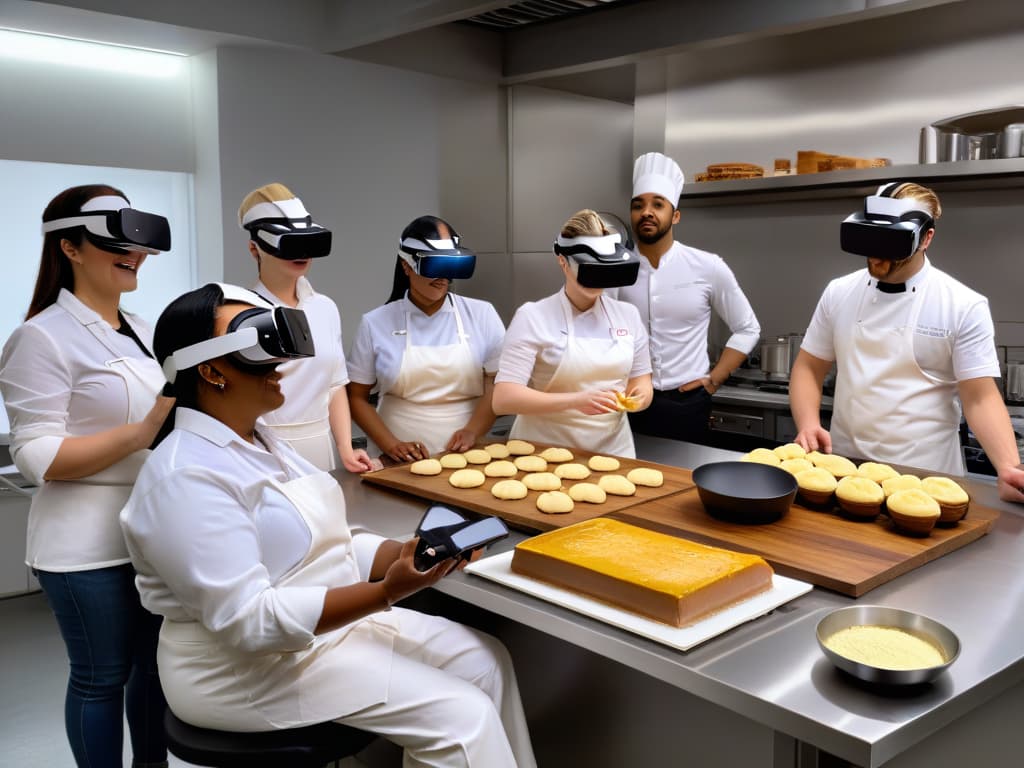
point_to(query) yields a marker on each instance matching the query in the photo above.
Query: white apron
(213, 685)
(588, 364)
(312, 439)
(94, 540)
(436, 391)
(891, 410)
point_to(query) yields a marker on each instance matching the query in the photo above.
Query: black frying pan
(744, 491)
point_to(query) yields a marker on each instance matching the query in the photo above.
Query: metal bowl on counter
(880, 671)
(744, 492)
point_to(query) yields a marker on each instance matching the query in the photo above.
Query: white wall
(817, 94)
(368, 148)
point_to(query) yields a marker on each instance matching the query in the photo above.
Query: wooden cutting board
(823, 548)
(523, 513)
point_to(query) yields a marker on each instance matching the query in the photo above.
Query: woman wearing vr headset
(908, 340)
(315, 416)
(430, 354)
(566, 356)
(278, 614)
(82, 391)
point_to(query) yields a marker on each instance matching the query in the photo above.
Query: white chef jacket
(538, 331)
(954, 335)
(308, 384)
(376, 354)
(675, 302)
(59, 378)
(216, 558)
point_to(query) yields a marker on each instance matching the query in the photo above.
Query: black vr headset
(111, 224)
(291, 236)
(599, 261)
(888, 228)
(433, 255)
(256, 338)
(452, 532)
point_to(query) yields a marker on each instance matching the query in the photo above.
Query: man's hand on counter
(814, 438)
(1011, 484)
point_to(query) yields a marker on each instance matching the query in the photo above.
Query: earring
(220, 386)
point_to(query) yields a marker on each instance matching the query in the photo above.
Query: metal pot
(744, 491)
(777, 356)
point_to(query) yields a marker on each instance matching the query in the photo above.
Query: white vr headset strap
(891, 206)
(233, 292)
(209, 349)
(603, 244)
(97, 209)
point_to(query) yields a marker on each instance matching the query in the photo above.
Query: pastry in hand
(626, 402)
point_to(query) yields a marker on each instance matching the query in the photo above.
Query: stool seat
(311, 746)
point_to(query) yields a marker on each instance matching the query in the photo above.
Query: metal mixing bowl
(881, 616)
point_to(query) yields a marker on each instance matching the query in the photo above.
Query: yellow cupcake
(840, 466)
(877, 472)
(816, 485)
(900, 483)
(795, 466)
(860, 497)
(953, 500)
(913, 511)
(790, 451)
(762, 456)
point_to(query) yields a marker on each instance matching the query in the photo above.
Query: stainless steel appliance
(777, 356)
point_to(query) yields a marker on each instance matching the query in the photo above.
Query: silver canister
(952, 146)
(1011, 140)
(983, 146)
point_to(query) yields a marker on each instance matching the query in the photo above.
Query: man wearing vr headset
(429, 353)
(676, 290)
(278, 614)
(567, 356)
(910, 344)
(82, 391)
(315, 417)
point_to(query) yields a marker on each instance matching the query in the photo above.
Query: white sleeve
(729, 301)
(362, 360)
(521, 348)
(493, 331)
(974, 350)
(36, 383)
(340, 376)
(196, 534)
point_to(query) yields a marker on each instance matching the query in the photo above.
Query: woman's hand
(152, 421)
(359, 461)
(402, 579)
(462, 440)
(404, 450)
(596, 402)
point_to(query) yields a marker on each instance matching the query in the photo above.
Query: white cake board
(498, 568)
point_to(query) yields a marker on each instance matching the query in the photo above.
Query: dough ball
(519, 447)
(497, 450)
(477, 456)
(542, 481)
(508, 490)
(762, 456)
(556, 455)
(796, 466)
(466, 478)
(617, 485)
(501, 468)
(572, 471)
(603, 463)
(592, 493)
(555, 503)
(531, 463)
(426, 467)
(453, 461)
(652, 478)
(789, 451)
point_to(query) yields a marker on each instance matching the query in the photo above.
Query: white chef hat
(658, 174)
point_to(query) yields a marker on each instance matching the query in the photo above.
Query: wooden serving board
(523, 513)
(821, 547)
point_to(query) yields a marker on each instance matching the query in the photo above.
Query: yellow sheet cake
(671, 580)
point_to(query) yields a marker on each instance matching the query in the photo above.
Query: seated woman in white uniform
(430, 354)
(276, 614)
(566, 356)
(315, 418)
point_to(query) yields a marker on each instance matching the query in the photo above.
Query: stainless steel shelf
(964, 175)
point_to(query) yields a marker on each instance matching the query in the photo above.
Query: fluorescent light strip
(66, 51)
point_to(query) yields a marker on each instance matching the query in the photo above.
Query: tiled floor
(33, 676)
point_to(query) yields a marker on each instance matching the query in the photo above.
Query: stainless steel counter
(771, 671)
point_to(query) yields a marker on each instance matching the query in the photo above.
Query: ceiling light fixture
(87, 54)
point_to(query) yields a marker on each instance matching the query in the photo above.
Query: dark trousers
(675, 415)
(111, 641)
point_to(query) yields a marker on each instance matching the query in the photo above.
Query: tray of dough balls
(532, 486)
(852, 526)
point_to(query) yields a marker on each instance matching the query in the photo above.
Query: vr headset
(599, 261)
(256, 338)
(452, 532)
(293, 236)
(438, 258)
(111, 224)
(888, 228)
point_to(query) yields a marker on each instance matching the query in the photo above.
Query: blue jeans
(111, 641)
